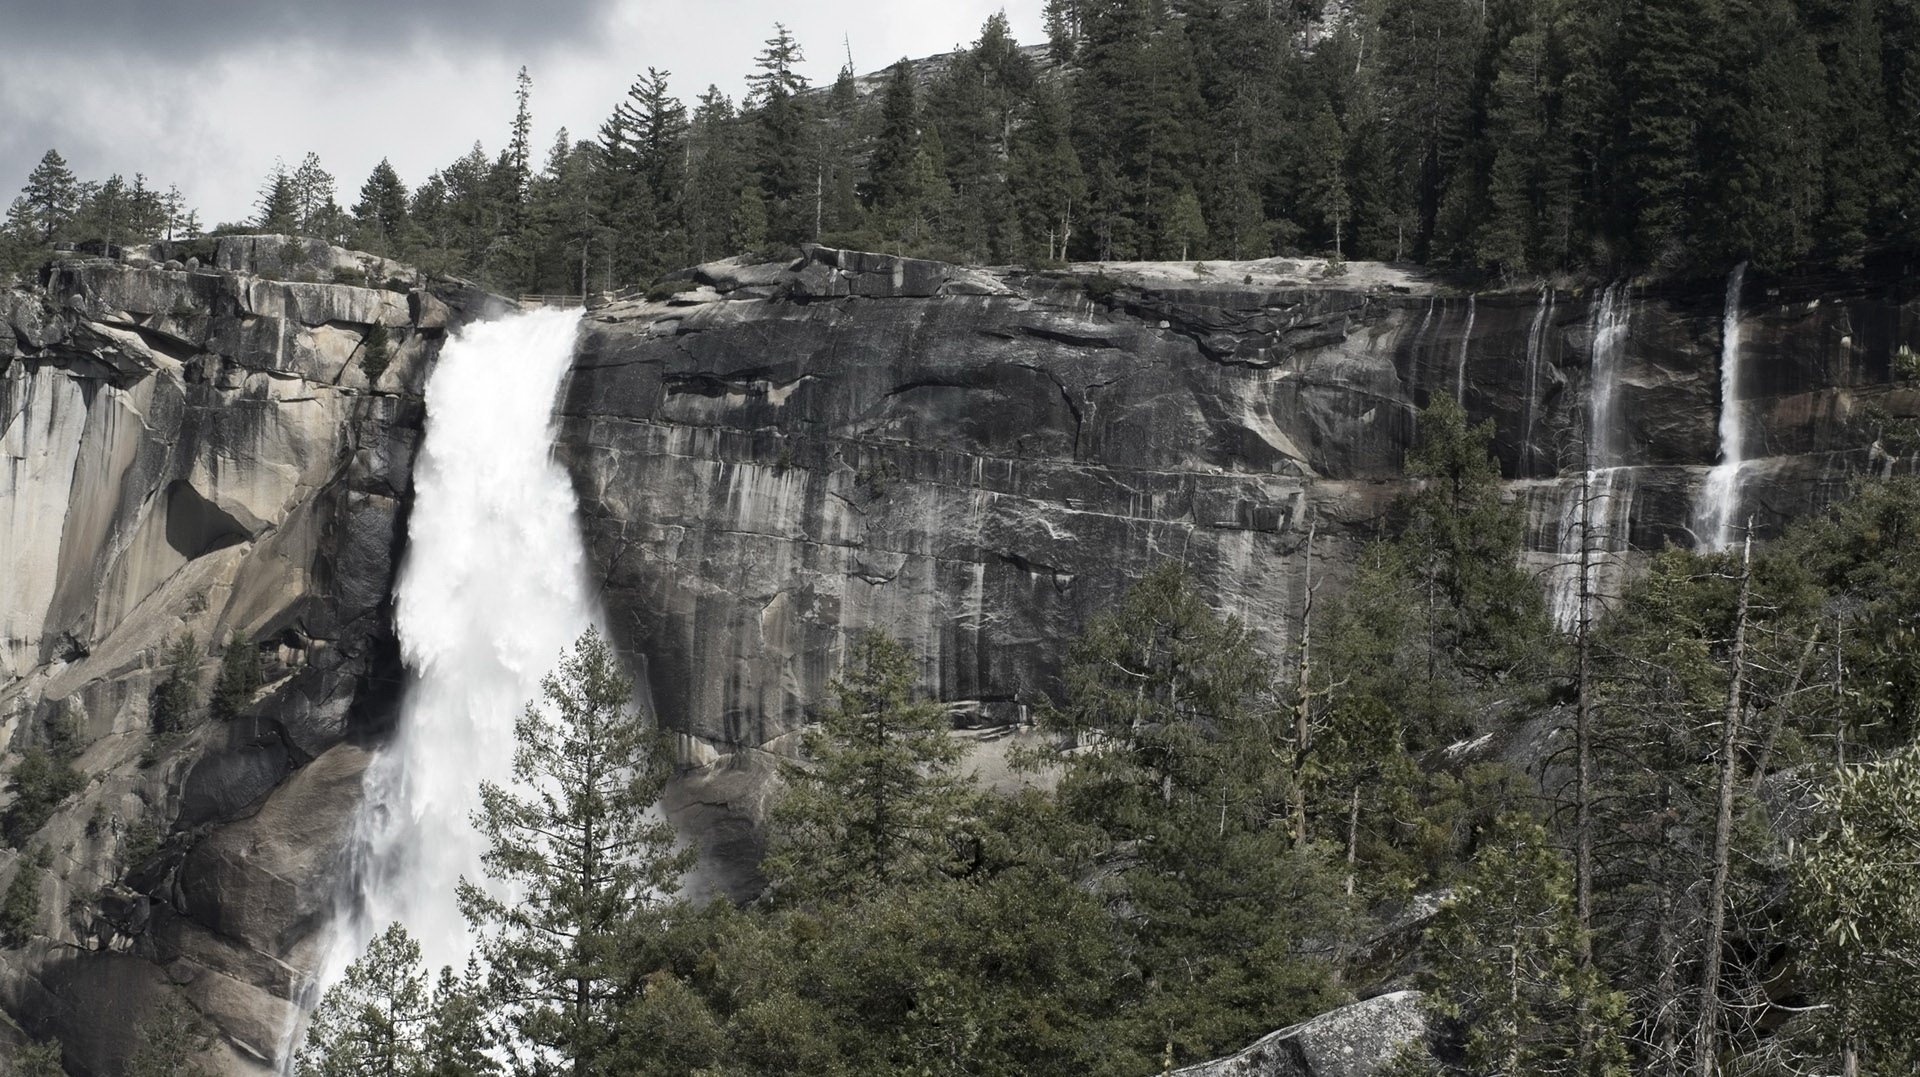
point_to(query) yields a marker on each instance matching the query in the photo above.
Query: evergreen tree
(784, 148)
(172, 1042)
(278, 208)
(1502, 973)
(173, 701)
(311, 189)
(1171, 772)
(373, 1021)
(50, 198)
(583, 848)
(382, 209)
(20, 907)
(239, 679)
(877, 801)
(39, 1060)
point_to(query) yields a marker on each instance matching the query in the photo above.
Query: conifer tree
(278, 210)
(374, 1020)
(877, 801)
(590, 861)
(239, 678)
(382, 209)
(51, 197)
(1502, 972)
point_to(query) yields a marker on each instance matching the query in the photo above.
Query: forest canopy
(1510, 139)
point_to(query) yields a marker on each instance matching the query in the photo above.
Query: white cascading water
(1593, 514)
(1466, 339)
(1719, 498)
(492, 590)
(1536, 339)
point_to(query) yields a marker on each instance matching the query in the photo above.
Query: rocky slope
(977, 460)
(188, 449)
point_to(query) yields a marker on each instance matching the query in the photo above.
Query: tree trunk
(1302, 725)
(1583, 776)
(1707, 1033)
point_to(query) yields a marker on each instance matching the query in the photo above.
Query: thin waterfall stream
(1719, 499)
(491, 591)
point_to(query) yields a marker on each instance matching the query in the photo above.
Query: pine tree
(374, 1020)
(239, 679)
(311, 189)
(519, 152)
(51, 197)
(784, 149)
(590, 861)
(1063, 29)
(877, 801)
(382, 209)
(1502, 972)
(173, 1041)
(175, 699)
(1165, 740)
(278, 208)
(39, 1060)
(20, 907)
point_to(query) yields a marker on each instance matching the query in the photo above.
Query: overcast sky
(206, 93)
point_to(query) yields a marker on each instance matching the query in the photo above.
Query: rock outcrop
(203, 452)
(976, 460)
(1357, 1040)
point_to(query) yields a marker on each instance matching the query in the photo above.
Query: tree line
(1505, 138)
(1671, 840)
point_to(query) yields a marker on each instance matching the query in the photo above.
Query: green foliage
(42, 778)
(1856, 901)
(582, 847)
(239, 679)
(20, 906)
(374, 1020)
(877, 801)
(172, 1042)
(1503, 973)
(172, 708)
(1164, 735)
(376, 352)
(39, 1060)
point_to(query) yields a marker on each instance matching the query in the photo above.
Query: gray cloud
(191, 29)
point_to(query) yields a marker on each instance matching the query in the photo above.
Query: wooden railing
(552, 301)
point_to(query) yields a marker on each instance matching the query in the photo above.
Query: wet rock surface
(975, 461)
(199, 451)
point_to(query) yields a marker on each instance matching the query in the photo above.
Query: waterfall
(491, 591)
(1460, 377)
(1594, 516)
(1535, 338)
(1719, 499)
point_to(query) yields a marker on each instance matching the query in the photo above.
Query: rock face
(202, 452)
(975, 461)
(1353, 1041)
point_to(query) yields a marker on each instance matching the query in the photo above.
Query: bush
(663, 290)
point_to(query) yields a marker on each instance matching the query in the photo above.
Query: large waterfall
(491, 591)
(1719, 498)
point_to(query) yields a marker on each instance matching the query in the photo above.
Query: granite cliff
(975, 460)
(201, 450)
(768, 457)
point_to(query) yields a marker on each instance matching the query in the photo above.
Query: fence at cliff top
(492, 590)
(553, 301)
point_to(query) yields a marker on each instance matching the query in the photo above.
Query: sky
(207, 93)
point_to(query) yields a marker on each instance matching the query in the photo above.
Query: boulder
(1359, 1040)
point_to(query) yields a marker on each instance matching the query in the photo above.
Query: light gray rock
(1353, 1041)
